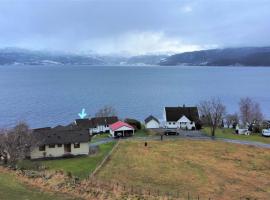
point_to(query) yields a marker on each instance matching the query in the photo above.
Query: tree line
(213, 114)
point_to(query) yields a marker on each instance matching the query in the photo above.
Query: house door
(67, 148)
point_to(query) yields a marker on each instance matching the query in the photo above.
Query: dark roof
(66, 128)
(93, 122)
(42, 129)
(104, 120)
(84, 123)
(46, 136)
(175, 113)
(151, 117)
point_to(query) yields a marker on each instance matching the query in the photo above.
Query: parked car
(242, 131)
(171, 132)
(266, 132)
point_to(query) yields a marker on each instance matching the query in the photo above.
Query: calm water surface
(52, 95)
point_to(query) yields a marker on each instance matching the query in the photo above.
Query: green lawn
(12, 189)
(229, 134)
(80, 166)
(141, 133)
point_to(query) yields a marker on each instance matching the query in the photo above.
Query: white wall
(189, 125)
(152, 124)
(98, 129)
(83, 150)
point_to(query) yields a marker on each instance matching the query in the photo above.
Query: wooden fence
(142, 192)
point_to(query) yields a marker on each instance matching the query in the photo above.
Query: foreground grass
(211, 169)
(81, 167)
(12, 189)
(229, 134)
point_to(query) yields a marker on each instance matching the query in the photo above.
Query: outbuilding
(151, 122)
(121, 129)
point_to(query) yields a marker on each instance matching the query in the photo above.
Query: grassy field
(80, 166)
(229, 134)
(12, 189)
(211, 169)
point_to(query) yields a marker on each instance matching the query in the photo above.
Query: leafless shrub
(212, 112)
(106, 111)
(232, 120)
(17, 143)
(250, 111)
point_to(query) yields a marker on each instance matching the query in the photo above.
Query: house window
(51, 145)
(77, 145)
(59, 145)
(173, 123)
(42, 148)
(169, 123)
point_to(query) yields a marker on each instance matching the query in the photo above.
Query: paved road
(189, 135)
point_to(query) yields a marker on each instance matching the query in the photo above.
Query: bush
(198, 125)
(28, 165)
(135, 123)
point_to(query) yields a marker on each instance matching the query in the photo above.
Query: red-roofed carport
(121, 129)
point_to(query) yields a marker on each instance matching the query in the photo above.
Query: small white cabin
(151, 122)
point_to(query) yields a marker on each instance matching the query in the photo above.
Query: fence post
(188, 195)
(198, 197)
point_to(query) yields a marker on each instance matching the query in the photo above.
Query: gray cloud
(135, 26)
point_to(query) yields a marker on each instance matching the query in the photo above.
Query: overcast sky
(133, 26)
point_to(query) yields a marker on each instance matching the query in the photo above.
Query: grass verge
(229, 134)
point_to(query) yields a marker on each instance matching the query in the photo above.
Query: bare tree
(250, 111)
(17, 142)
(212, 112)
(232, 119)
(106, 111)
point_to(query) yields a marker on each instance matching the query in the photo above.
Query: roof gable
(183, 119)
(120, 124)
(151, 117)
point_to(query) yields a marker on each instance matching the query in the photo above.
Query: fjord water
(52, 95)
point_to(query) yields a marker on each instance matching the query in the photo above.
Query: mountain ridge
(245, 56)
(242, 56)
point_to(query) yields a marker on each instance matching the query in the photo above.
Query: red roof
(118, 125)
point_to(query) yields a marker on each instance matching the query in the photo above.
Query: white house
(97, 124)
(151, 122)
(59, 143)
(121, 129)
(181, 117)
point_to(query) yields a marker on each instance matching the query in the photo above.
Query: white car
(242, 131)
(266, 132)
